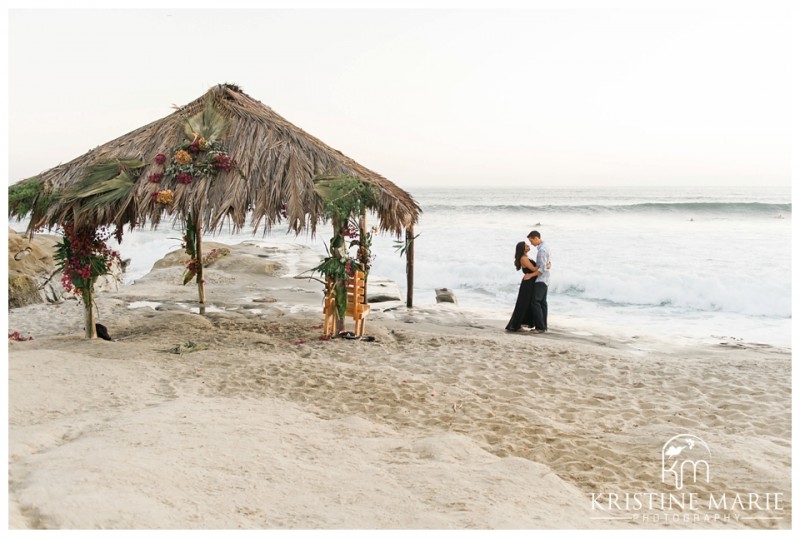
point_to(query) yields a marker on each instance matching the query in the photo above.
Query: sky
(697, 94)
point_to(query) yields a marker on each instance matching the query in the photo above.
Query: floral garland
(83, 256)
(190, 246)
(191, 160)
(363, 242)
(363, 258)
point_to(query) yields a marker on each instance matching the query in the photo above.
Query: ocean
(685, 264)
(699, 263)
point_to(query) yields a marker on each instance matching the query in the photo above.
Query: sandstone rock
(445, 295)
(30, 265)
(31, 268)
(381, 290)
(228, 258)
(22, 290)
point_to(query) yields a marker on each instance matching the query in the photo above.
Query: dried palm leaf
(273, 181)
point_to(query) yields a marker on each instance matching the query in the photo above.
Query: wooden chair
(357, 307)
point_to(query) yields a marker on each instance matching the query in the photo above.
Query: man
(542, 281)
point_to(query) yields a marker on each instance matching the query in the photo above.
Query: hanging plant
(83, 256)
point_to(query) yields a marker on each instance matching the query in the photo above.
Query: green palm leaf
(208, 123)
(343, 196)
(112, 179)
(110, 193)
(22, 197)
(107, 190)
(105, 186)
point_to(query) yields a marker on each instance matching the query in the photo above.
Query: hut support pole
(88, 311)
(410, 267)
(362, 233)
(201, 283)
(339, 327)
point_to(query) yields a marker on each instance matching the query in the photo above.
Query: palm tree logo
(685, 456)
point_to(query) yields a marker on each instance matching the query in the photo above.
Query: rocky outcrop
(242, 258)
(30, 269)
(22, 290)
(32, 275)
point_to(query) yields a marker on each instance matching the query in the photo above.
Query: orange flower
(164, 197)
(183, 157)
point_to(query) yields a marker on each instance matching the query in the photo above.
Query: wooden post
(201, 284)
(88, 312)
(362, 225)
(339, 325)
(410, 267)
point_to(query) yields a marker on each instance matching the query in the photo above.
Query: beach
(245, 418)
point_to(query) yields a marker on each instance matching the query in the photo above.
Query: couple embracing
(531, 307)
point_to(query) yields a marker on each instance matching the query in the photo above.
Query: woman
(523, 313)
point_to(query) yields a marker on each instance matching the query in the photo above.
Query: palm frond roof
(277, 163)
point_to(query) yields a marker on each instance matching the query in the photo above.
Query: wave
(705, 208)
(688, 293)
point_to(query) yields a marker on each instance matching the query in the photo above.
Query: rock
(111, 281)
(241, 258)
(445, 295)
(169, 308)
(381, 290)
(22, 290)
(31, 267)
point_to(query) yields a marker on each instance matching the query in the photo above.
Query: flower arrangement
(83, 256)
(363, 240)
(193, 159)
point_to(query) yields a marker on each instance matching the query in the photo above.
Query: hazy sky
(469, 97)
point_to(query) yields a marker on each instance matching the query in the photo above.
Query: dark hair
(519, 252)
(535, 234)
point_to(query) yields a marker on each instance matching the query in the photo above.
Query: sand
(244, 418)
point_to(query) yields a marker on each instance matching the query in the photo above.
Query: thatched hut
(231, 156)
(277, 163)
